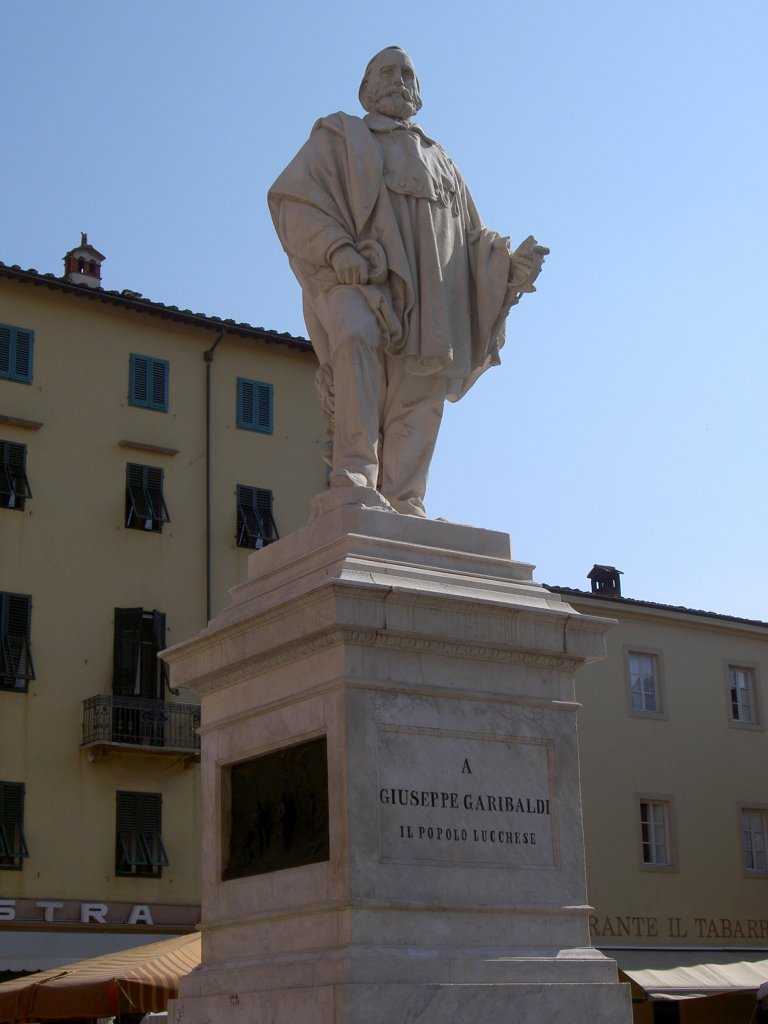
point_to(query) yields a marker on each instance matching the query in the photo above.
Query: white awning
(691, 974)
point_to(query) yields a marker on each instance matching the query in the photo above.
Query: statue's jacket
(440, 280)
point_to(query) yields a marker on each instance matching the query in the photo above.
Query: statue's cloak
(440, 284)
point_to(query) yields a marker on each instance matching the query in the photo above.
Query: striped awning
(135, 980)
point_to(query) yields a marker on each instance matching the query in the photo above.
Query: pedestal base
(493, 992)
(392, 819)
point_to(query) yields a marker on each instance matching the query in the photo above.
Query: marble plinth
(392, 818)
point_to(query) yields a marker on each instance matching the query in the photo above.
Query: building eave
(630, 603)
(138, 304)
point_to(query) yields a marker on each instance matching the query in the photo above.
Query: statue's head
(390, 85)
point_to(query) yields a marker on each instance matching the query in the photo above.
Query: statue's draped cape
(441, 280)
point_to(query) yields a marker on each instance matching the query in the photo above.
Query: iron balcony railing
(158, 725)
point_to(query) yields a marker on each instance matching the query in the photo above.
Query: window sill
(16, 421)
(143, 446)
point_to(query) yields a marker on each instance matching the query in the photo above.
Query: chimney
(605, 580)
(83, 264)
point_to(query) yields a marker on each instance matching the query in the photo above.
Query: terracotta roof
(133, 301)
(680, 609)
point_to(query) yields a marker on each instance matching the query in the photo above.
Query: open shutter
(158, 632)
(14, 485)
(264, 508)
(129, 851)
(15, 653)
(13, 844)
(127, 651)
(137, 501)
(154, 491)
(139, 833)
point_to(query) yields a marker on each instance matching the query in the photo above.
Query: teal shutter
(148, 382)
(5, 351)
(254, 405)
(16, 345)
(159, 391)
(139, 373)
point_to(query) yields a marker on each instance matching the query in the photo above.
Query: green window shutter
(254, 405)
(140, 848)
(159, 393)
(5, 351)
(255, 522)
(14, 485)
(16, 344)
(148, 382)
(127, 651)
(145, 507)
(158, 633)
(139, 375)
(16, 666)
(13, 844)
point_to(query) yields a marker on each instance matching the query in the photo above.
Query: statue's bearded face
(390, 85)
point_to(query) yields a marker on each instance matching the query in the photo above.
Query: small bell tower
(83, 264)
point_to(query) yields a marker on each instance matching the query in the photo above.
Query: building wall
(691, 754)
(69, 548)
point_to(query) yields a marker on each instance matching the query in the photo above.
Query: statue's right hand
(349, 265)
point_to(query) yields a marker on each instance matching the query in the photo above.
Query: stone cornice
(268, 661)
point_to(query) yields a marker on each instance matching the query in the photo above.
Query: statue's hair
(369, 65)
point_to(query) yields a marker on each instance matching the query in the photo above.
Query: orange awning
(132, 981)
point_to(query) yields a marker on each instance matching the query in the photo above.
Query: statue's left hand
(526, 263)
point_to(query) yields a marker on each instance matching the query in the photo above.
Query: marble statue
(405, 291)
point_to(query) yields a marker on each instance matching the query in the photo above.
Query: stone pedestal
(392, 818)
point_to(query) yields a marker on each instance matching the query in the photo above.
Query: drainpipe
(208, 357)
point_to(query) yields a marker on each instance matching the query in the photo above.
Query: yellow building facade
(145, 452)
(674, 771)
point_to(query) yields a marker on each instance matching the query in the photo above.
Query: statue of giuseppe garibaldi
(405, 291)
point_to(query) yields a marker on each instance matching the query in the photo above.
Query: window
(255, 522)
(136, 669)
(654, 832)
(742, 695)
(254, 405)
(16, 668)
(139, 844)
(145, 507)
(13, 845)
(14, 486)
(16, 353)
(644, 682)
(754, 828)
(148, 382)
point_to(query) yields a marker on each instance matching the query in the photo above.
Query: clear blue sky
(627, 423)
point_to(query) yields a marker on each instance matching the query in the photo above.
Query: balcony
(137, 725)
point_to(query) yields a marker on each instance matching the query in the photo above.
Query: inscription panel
(458, 798)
